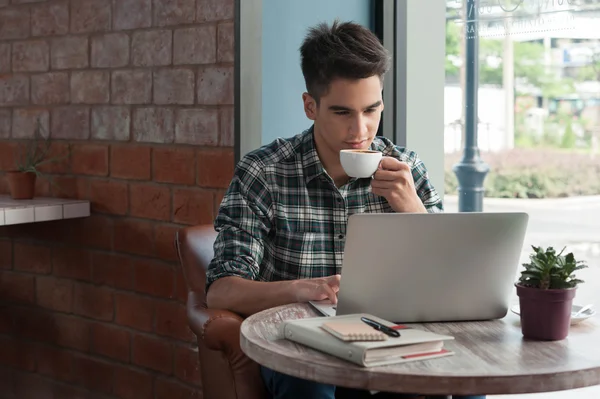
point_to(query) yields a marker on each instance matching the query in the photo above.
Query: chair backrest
(195, 249)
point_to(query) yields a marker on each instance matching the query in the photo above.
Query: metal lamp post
(471, 170)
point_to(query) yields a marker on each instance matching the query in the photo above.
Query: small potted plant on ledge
(36, 153)
(546, 289)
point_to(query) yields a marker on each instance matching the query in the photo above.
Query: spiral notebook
(357, 331)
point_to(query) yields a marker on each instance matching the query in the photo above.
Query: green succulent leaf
(548, 269)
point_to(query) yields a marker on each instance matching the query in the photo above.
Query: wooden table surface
(491, 357)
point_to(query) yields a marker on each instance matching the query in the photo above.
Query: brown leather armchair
(227, 373)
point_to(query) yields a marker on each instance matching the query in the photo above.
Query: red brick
(33, 258)
(71, 187)
(197, 126)
(14, 89)
(226, 135)
(151, 48)
(181, 289)
(5, 123)
(165, 236)
(174, 165)
(93, 374)
(174, 86)
(42, 188)
(14, 23)
(31, 56)
(195, 45)
(55, 363)
(111, 123)
(59, 152)
(215, 168)
(133, 384)
(95, 231)
(50, 88)
(7, 155)
(109, 196)
(171, 320)
(192, 206)
(71, 123)
(171, 389)
(132, 14)
(214, 10)
(130, 162)
(174, 12)
(110, 341)
(5, 58)
(29, 386)
(110, 50)
(215, 85)
(69, 52)
(18, 354)
(90, 16)
(134, 236)
(34, 324)
(72, 263)
(131, 87)
(6, 318)
(134, 311)
(187, 365)
(154, 278)
(113, 270)
(153, 125)
(94, 302)
(54, 293)
(68, 331)
(50, 19)
(225, 42)
(150, 201)
(24, 122)
(90, 159)
(6, 254)
(17, 287)
(152, 353)
(219, 194)
(90, 87)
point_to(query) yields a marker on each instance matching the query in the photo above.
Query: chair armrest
(219, 329)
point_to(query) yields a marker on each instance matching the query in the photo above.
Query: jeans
(282, 386)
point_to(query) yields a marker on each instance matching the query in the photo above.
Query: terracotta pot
(21, 184)
(545, 314)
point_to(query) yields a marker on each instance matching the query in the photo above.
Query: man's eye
(341, 112)
(370, 110)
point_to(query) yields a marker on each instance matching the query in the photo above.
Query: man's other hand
(316, 289)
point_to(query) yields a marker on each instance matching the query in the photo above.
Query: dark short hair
(343, 50)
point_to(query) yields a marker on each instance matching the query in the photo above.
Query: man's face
(348, 116)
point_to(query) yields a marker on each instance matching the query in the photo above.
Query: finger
(334, 280)
(389, 175)
(389, 163)
(330, 293)
(382, 184)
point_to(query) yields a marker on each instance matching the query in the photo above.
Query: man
(282, 222)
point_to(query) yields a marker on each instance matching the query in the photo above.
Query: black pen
(378, 326)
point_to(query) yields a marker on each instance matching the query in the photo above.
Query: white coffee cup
(360, 163)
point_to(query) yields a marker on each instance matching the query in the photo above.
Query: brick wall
(142, 93)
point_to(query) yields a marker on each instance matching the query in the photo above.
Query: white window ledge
(40, 210)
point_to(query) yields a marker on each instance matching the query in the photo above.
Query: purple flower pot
(545, 314)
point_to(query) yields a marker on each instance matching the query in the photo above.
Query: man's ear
(310, 106)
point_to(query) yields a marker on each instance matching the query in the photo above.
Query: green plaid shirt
(283, 218)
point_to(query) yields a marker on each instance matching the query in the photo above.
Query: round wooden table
(491, 357)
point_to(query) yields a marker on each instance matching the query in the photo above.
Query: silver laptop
(429, 267)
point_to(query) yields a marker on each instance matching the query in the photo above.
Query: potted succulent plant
(30, 157)
(546, 289)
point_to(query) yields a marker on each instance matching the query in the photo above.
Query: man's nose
(358, 126)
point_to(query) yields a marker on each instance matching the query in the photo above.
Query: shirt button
(341, 236)
(338, 199)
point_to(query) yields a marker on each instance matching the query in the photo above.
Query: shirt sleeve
(243, 223)
(428, 194)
